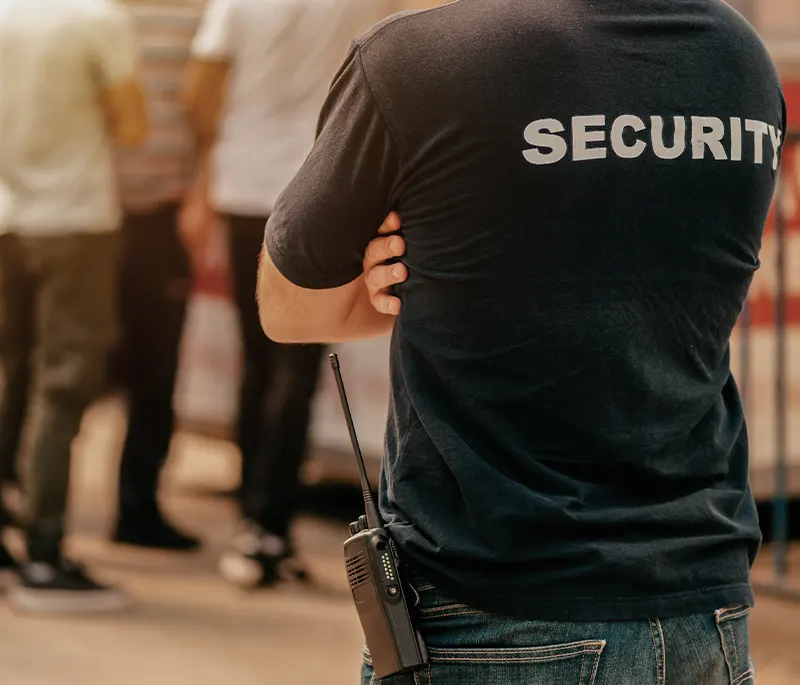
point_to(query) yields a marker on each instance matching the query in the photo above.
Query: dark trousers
(155, 282)
(59, 323)
(18, 298)
(278, 386)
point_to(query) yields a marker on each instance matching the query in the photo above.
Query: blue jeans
(468, 647)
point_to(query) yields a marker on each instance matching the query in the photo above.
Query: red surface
(762, 305)
(791, 90)
(212, 281)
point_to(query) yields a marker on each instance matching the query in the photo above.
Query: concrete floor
(188, 628)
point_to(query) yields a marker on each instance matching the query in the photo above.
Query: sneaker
(259, 559)
(63, 587)
(153, 532)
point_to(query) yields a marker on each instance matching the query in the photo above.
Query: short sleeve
(113, 49)
(323, 221)
(214, 39)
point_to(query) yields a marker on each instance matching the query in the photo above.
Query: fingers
(386, 304)
(381, 277)
(390, 224)
(382, 249)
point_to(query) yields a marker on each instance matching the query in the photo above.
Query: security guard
(583, 188)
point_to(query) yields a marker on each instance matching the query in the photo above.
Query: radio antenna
(373, 517)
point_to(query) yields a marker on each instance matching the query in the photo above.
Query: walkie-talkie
(374, 571)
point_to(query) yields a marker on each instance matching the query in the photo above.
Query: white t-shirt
(56, 172)
(283, 55)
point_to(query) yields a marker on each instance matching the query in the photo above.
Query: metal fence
(779, 582)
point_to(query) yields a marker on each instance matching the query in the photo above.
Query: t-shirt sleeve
(113, 49)
(214, 39)
(324, 219)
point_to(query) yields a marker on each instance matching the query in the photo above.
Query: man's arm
(311, 278)
(206, 75)
(202, 97)
(355, 311)
(113, 58)
(125, 113)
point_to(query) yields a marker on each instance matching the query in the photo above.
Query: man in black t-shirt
(582, 188)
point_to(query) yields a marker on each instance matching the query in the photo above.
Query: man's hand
(380, 276)
(196, 223)
(197, 219)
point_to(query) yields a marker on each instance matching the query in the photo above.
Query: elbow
(277, 322)
(282, 329)
(290, 314)
(286, 324)
(275, 329)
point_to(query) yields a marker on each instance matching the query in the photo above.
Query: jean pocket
(734, 631)
(573, 663)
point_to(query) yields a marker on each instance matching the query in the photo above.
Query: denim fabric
(469, 646)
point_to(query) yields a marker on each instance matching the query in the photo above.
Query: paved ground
(188, 628)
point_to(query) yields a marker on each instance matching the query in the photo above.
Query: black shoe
(259, 559)
(154, 532)
(62, 587)
(8, 567)
(6, 560)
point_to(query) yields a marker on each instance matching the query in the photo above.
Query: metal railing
(779, 583)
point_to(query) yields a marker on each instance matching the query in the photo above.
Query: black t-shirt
(583, 188)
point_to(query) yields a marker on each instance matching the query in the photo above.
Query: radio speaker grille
(357, 570)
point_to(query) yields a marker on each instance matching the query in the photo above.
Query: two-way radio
(375, 574)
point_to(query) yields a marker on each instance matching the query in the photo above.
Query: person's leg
(256, 551)
(75, 327)
(15, 351)
(155, 283)
(16, 343)
(468, 646)
(245, 236)
(275, 475)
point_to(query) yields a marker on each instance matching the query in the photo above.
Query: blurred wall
(778, 21)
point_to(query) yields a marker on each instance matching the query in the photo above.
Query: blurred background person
(68, 75)
(155, 271)
(259, 75)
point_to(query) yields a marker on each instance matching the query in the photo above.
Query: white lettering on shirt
(541, 134)
(582, 136)
(660, 147)
(590, 136)
(736, 139)
(759, 129)
(618, 137)
(775, 136)
(708, 132)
